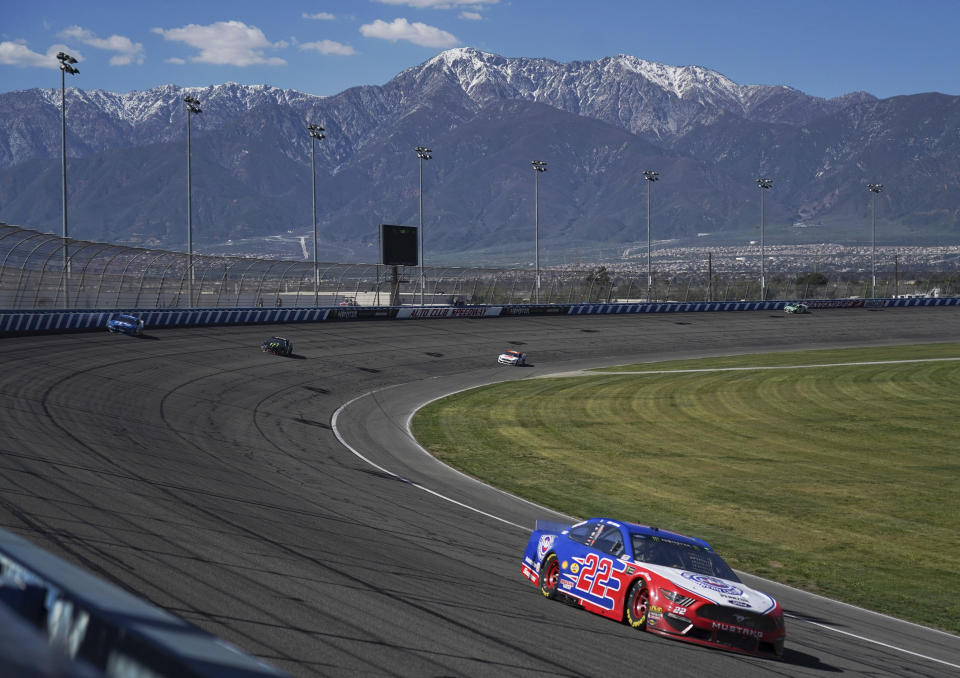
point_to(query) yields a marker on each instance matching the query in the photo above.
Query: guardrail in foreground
(66, 622)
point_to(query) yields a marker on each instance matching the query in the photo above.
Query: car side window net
(610, 541)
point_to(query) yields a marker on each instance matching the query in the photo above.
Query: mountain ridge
(708, 136)
(159, 107)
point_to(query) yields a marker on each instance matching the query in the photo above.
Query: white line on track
(875, 642)
(336, 432)
(601, 373)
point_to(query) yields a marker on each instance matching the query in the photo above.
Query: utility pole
(66, 66)
(650, 176)
(539, 166)
(193, 108)
(763, 185)
(316, 133)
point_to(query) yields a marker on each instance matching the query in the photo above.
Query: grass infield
(839, 479)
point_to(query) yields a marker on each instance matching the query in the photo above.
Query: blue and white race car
(126, 324)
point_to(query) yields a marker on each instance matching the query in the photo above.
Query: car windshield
(681, 555)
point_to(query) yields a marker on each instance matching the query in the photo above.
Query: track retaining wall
(12, 322)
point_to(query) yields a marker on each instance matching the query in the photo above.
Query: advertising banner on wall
(363, 313)
(548, 309)
(449, 312)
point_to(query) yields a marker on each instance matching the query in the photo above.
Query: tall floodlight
(423, 153)
(66, 66)
(650, 176)
(316, 133)
(538, 167)
(193, 107)
(763, 184)
(876, 189)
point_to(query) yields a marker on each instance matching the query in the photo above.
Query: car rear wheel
(638, 605)
(550, 577)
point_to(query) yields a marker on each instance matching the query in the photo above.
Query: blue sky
(822, 47)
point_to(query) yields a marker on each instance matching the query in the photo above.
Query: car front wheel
(550, 576)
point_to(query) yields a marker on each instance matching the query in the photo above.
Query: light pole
(538, 167)
(423, 153)
(316, 133)
(193, 107)
(650, 176)
(66, 66)
(876, 189)
(763, 185)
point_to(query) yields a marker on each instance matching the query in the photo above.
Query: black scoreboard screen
(398, 245)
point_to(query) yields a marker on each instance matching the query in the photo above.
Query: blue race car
(654, 580)
(127, 324)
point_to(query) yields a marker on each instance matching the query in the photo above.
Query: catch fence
(42, 271)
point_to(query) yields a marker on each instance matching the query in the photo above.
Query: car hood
(719, 591)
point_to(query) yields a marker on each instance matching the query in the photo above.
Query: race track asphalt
(207, 477)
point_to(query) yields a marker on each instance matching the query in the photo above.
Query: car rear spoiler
(552, 526)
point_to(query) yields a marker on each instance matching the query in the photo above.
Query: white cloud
(321, 16)
(439, 4)
(127, 51)
(226, 42)
(416, 32)
(175, 60)
(16, 53)
(471, 16)
(328, 47)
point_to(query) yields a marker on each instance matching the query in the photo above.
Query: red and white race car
(654, 580)
(512, 358)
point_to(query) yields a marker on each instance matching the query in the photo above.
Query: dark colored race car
(654, 580)
(125, 324)
(277, 346)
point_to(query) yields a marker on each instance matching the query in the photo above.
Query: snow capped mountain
(98, 120)
(139, 107)
(545, 81)
(653, 100)
(486, 116)
(644, 97)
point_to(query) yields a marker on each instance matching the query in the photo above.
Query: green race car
(277, 346)
(796, 307)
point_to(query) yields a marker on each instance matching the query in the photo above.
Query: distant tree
(599, 284)
(599, 276)
(812, 279)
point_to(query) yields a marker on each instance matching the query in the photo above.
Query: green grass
(841, 480)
